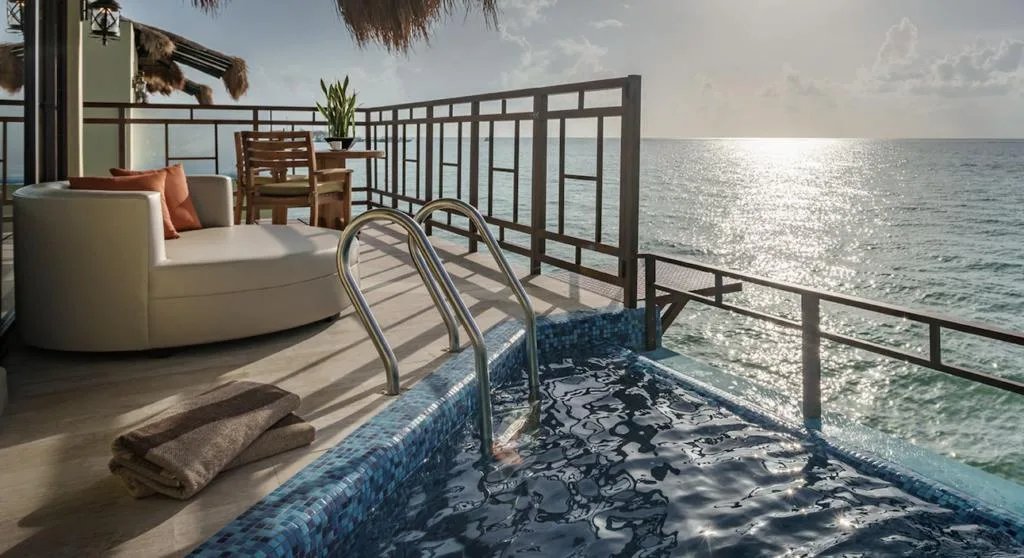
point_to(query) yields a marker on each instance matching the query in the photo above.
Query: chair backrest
(277, 152)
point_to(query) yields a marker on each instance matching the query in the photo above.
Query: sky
(710, 68)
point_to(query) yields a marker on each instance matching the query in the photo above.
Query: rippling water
(626, 465)
(936, 225)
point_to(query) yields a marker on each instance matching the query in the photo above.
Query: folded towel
(286, 434)
(183, 449)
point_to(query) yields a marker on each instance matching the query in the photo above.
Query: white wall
(107, 72)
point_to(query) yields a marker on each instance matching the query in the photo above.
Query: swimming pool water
(627, 464)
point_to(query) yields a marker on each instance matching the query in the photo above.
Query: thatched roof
(159, 54)
(161, 51)
(396, 24)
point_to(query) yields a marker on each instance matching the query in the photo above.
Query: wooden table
(337, 214)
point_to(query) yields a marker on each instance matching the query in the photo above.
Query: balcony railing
(447, 147)
(810, 326)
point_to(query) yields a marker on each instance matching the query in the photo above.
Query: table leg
(279, 216)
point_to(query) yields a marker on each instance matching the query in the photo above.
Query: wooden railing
(812, 334)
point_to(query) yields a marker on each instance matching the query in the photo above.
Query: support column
(73, 99)
(30, 21)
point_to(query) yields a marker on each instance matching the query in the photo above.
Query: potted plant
(340, 113)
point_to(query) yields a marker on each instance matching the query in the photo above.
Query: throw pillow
(141, 183)
(179, 203)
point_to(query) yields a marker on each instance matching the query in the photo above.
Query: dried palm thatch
(202, 93)
(161, 76)
(396, 24)
(12, 67)
(157, 44)
(236, 79)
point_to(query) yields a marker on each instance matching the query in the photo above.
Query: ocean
(929, 224)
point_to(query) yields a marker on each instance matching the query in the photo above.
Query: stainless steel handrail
(422, 250)
(470, 212)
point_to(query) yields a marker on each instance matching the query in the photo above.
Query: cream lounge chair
(94, 273)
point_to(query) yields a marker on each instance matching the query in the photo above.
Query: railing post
(428, 186)
(539, 185)
(371, 174)
(122, 139)
(810, 319)
(474, 170)
(629, 189)
(935, 344)
(650, 302)
(394, 159)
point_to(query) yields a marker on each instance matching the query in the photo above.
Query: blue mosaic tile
(313, 512)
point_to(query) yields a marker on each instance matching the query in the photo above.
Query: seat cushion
(295, 188)
(219, 260)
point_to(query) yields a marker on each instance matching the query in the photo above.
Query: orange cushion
(141, 183)
(179, 203)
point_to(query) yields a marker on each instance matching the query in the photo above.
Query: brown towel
(184, 448)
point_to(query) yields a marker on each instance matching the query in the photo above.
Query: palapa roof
(395, 24)
(159, 54)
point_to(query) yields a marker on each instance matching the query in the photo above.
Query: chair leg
(314, 213)
(250, 211)
(239, 201)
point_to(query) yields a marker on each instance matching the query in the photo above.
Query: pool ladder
(445, 297)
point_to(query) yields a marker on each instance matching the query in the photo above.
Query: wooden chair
(277, 153)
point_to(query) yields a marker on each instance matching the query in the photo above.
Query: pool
(625, 463)
(630, 459)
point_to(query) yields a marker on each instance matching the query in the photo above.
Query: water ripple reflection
(626, 465)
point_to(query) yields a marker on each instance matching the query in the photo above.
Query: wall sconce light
(15, 15)
(105, 20)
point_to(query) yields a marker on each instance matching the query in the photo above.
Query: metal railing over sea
(810, 326)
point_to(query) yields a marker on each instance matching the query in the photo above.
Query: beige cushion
(261, 180)
(243, 258)
(292, 188)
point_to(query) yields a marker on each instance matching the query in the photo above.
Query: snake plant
(340, 111)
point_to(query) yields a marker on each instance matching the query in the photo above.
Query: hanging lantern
(15, 15)
(105, 20)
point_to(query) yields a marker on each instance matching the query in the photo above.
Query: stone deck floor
(57, 497)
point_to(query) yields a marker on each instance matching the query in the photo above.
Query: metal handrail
(810, 326)
(418, 238)
(530, 316)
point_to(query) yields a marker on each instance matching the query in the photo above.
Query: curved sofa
(94, 273)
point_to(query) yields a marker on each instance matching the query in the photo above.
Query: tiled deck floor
(57, 497)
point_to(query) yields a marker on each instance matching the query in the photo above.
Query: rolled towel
(183, 449)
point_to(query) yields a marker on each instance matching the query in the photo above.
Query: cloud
(607, 24)
(793, 84)
(521, 14)
(557, 60)
(582, 57)
(976, 71)
(899, 47)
